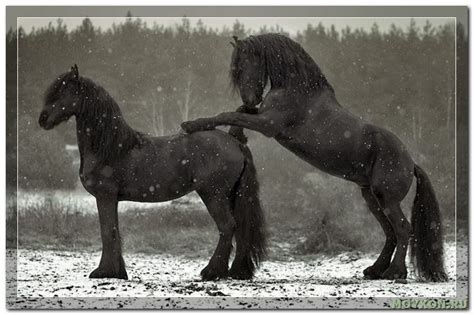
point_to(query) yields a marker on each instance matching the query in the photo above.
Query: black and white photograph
(237, 157)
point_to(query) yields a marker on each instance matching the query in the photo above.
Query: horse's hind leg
(390, 186)
(383, 261)
(398, 269)
(219, 208)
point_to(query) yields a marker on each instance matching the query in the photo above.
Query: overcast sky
(291, 24)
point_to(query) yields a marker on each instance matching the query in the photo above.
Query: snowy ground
(64, 274)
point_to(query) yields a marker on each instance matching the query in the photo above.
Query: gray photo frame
(16, 300)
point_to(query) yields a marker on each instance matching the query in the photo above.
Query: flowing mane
(111, 136)
(286, 63)
(100, 117)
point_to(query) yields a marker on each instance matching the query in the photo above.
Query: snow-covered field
(65, 274)
(86, 203)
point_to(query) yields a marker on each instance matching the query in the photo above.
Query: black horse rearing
(119, 163)
(302, 113)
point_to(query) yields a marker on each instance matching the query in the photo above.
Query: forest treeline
(402, 79)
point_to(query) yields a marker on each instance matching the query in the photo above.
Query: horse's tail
(238, 133)
(427, 240)
(249, 216)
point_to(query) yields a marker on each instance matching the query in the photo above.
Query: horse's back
(215, 154)
(216, 140)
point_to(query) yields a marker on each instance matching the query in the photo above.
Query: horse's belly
(150, 194)
(334, 159)
(154, 188)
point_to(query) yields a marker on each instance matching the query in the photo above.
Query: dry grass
(308, 223)
(69, 223)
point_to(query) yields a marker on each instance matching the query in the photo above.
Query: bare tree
(157, 114)
(188, 102)
(152, 113)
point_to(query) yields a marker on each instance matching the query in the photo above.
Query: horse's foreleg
(238, 132)
(111, 263)
(383, 261)
(268, 123)
(220, 211)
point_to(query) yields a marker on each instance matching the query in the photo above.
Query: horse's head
(248, 71)
(62, 99)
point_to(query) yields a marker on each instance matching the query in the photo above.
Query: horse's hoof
(240, 275)
(187, 126)
(192, 126)
(437, 277)
(394, 272)
(212, 274)
(101, 272)
(373, 273)
(402, 281)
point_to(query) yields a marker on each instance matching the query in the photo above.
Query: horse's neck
(84, 142)
(318, 95)
(85, 129)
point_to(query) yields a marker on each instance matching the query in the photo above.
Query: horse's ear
(75, 71)
(235, 42)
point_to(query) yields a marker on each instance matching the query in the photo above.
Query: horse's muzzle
(43, 121)
(247, 109)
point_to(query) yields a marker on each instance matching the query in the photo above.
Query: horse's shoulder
(276, 99)
(273, 95)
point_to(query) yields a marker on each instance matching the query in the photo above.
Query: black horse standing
(119, 163)
(302, 113)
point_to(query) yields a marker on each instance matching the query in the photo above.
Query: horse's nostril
(43, 118)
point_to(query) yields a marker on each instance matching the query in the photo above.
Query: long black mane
(112, 135)
(99, 117)
(286, 63)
